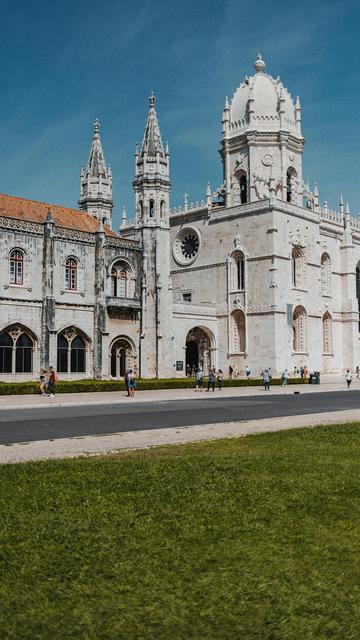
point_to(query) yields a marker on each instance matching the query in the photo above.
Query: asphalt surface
(50, 423)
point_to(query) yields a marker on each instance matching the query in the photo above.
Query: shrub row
(84, 386)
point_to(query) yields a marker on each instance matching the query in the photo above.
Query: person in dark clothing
(211, 380)
(220, 379)
(52, 381)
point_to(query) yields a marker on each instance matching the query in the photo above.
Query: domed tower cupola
(262, 144)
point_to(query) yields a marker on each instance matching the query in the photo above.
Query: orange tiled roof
(33, 211)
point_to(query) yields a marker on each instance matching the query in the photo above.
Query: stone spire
(152, 180)
(96, 182)
(152, 143)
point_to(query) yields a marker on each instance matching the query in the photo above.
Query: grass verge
(251, 538)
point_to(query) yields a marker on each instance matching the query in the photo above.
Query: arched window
(119, 280)
(327, 332)
(23, 354)
(151, 208)
(77, 355)
(243, 189)
(291, 176)
(71, 279)
(325, 275)
(6, 347)
(62, 354)
(298, 268)
(71, 352)
(238, 332)
(16, 267)
(300, 330)
(239, 184)
(237, 272)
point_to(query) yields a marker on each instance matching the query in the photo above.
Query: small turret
(96, 182)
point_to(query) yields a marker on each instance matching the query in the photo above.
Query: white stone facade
(259, 274)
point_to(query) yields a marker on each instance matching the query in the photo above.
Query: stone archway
(122, 357)
(199, 349)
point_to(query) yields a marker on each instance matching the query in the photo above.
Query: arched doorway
(199, 345)
(192, 355)
(121, 357)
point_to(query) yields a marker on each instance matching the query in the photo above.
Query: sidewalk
(328, 383)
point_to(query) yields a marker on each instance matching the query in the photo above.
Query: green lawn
(249, 538)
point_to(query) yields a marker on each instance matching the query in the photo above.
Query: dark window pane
(5, 340)
(62, 366)
(23, 360)
(5, 359)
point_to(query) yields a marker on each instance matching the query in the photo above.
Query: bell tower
(152, 188)
(262, 143)
(96, 182)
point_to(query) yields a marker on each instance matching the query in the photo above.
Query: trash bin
(317, 377)
(312, 378)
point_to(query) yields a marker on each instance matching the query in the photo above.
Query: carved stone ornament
(237, 303)
(298, 238)
(237, 242)
(70, 333)
(15, 333)
(267, 160)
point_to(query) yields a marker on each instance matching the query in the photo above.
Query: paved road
(26, 425)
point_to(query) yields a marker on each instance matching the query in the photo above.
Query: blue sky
(62, 64)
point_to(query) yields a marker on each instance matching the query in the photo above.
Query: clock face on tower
(186, 245)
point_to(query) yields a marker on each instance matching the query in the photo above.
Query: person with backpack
(52, 381)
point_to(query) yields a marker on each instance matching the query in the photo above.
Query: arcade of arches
(199, 349)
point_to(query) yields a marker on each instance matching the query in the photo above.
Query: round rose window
(186, 246)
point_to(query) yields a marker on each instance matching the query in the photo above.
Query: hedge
(84, 386)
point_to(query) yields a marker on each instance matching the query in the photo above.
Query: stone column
(100, 302)
(48, 329)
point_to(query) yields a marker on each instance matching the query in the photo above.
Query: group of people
(212, 377)
(47, 382)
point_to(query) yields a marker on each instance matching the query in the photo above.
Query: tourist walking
(127, 382)
(211, 381)
(357, 373)
(348, 378)
(220, 379)
(285, 377)
(266, 378)
(52, 380)
(43, 381)
(199, 379)
(131, 383)
(231, 370)
(247, 371)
